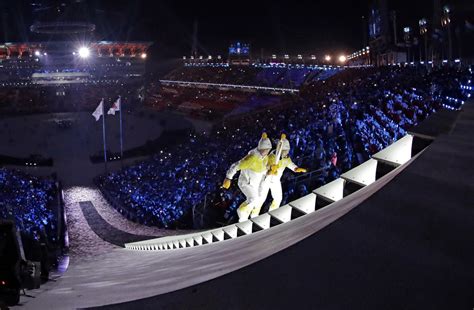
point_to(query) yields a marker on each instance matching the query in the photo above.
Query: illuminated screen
(239, 49)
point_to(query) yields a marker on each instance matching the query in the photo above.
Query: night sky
(274, 26)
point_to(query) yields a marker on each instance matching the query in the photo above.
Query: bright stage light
(143, 55)
(327, 58)
(342, 58)
(37, 53)
(84, 52)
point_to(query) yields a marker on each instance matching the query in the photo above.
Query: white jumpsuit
(253, 169)
(272, 183)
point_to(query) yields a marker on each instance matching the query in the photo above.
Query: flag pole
(121, 132)
(103, 135)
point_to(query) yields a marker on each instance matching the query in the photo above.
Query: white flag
(99, 110)
(115, 107)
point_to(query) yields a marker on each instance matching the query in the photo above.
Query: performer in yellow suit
(277, 167)
(253, 169)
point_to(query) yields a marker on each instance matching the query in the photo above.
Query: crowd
(336, 124)
(207, 103)
(204, 103)
(256, 75)
(29, 201)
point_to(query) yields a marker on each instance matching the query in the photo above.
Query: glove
(273, 170)
(226, 184)
(301, 170)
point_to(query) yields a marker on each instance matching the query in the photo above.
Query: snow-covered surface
(83, 241)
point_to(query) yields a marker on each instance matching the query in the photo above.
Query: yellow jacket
(252, 167)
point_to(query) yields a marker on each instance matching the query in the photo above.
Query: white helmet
(264, 143)
(285, 143)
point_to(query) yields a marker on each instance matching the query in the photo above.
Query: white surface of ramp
(125, 275)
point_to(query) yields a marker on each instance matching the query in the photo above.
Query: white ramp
(398, 153)
(363, 174)
(333, 191)
(119, 275)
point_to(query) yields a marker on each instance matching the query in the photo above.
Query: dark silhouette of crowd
(334, 125)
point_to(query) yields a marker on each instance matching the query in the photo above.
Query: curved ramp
(106, 231)
(359, 177)
(124, 275)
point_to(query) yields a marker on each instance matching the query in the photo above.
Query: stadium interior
(117, 188)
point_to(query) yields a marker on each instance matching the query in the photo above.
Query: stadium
(145, 146)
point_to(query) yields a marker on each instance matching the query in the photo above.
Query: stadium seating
(348, 117)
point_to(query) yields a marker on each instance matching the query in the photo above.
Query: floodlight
(84, 52)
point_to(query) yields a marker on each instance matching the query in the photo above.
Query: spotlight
(327, 58)
(143, 55)
(84, 52)
(37, 53)
(342, 58)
